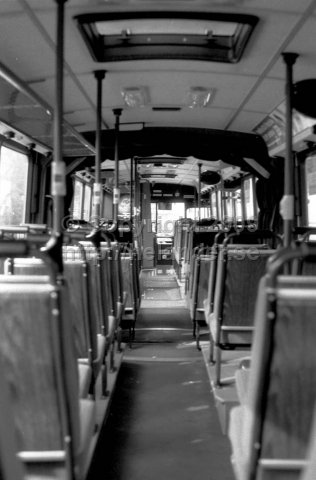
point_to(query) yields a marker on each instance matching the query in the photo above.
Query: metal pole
(199, 191)
(58, 182)
(131, 198)
(99, 75)
(116, 191)
(287, 203)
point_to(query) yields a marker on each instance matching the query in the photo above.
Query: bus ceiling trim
(209, 145)
(20, 140)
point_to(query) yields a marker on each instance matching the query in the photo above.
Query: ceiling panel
(20, 55)
(303, 44)
(246, 121)
(266, 97)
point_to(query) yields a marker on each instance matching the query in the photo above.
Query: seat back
(239, 271)
(100, 300)
(10, 466)
(129, 274)
(200, 284)
(38, 355)
(75, 274)
(290, 394)
(274, 429)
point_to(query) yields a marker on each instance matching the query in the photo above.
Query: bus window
(13, 186)
(237, 205)
(310, 179)
(87, 203)
(219, 204)
(165, 218)
(248, 197)
(228, 206)
(214, 205)
(77, 201)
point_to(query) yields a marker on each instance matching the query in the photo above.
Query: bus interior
(157, 239)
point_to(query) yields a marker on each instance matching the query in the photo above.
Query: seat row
(272, 431)
(60, 349)
(222, 289)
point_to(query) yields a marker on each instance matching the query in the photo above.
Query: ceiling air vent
(166, 109)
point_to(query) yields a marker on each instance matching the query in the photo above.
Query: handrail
(254, 235)
(285, 255)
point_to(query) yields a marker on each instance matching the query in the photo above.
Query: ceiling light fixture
(199, 97)
(135, 96)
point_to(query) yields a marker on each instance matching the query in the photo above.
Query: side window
(81, 204)
(77, 200)
(219, 204)
(237, 205)
(228, 206)
(87, 203)
(310, 181)
(248, 199)
(13, 186)
(214, 205)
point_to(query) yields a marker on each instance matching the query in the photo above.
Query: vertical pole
(132, 198)
(99, 75)
(199, 191)
(54, 246)
(287, 202)
(116, 191)
(58, 182)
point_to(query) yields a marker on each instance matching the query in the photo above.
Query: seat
(270, 431)
(11, 467)
(201, 269)
(38, 355)
(309, 470)
(232, 322)
(130, 278)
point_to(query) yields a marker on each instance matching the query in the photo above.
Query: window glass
(248, 199)
(13, 186)
(310, 176)
(124, 208)
(167, 217)
(238, 204)
(77, 201)
(228, 196)
(87, 203)
(219, 204)
(214, 204)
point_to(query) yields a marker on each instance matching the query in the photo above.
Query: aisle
(161, 289)
(163, 423)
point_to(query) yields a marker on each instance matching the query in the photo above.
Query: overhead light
(198, 97)
(135, 96)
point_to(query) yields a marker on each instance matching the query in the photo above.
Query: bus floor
(163, 422)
